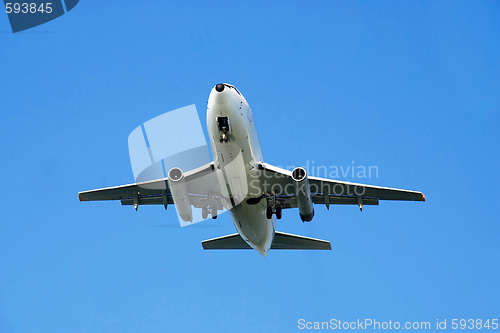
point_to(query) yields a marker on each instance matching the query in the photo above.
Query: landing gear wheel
(204, 213)
(224, 137)
(278, 213)
(269, 213)
(213, 212)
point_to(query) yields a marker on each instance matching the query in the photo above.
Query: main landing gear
(273, 207)
(269, 212)
(278, 213)
(206, 210)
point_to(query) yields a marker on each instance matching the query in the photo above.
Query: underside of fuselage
(236, 148)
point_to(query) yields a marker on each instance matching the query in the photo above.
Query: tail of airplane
(281, 241)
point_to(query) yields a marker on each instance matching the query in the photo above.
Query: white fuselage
(238, 158)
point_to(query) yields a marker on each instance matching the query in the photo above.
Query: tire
(278, 213)
(269, 213)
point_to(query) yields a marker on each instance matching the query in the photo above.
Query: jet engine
(303, 192)
(178, 188)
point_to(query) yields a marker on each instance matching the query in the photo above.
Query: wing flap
(342, 188)
(143, 189)
(149, 200)
(335, 200)
(320, 199)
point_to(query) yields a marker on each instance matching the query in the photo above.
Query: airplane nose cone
(219, 95)
(219, 87)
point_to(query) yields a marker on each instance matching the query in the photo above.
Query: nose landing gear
(223, 137)
(224, 128)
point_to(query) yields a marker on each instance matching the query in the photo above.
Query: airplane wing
(200, 183)
(328, 191)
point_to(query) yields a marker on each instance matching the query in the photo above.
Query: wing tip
(80, 197)
(423, 196)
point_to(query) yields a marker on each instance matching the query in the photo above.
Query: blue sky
(411, 87)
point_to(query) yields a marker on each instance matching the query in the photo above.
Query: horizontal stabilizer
(281, 241)
(229, 242)
(286, 241)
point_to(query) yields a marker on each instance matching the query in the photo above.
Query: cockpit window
(232, 87)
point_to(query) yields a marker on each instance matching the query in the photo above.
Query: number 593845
(28, 7)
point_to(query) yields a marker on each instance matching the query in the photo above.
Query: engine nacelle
(178, 189)
(303, 192)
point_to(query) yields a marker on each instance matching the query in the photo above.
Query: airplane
(239, 181)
